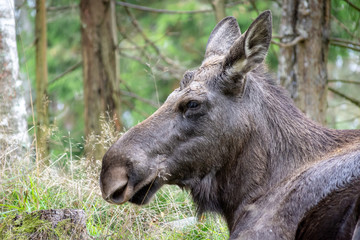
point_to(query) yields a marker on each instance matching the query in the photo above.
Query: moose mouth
(139, 194)
(144, 194)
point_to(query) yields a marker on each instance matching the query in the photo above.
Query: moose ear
(222, 37)
(250, 49)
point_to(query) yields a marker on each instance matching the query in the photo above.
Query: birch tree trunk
(305, 28)
(100, 70)
(42, 126)
(13, 127)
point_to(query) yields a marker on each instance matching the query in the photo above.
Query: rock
(182, 223)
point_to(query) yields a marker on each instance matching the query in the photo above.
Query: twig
(173, 66)
(133, 108)
(345, 46)
(253, 4)
(228, 5)
(353, 5)
(334, 41)
(350, 99)
(340, 40)
(142, 8)
(147, 40)
(344, 81)
(174, 73)
(69, 70)
(148, 9)
(289, 44)
(154, 10)
(348, 120)
(61, 8)
(132, 42)
(133, 95)
(343, 26)
(276, 36)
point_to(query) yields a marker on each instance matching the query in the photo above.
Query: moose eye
(193, 109)
(192, 105)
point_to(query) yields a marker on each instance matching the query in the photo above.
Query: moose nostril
(114, 184)
(118, 195)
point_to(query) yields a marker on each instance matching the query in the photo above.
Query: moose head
(202, 126)
(234, 138)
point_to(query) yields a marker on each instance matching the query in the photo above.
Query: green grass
(73, 183)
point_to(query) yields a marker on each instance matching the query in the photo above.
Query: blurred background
(131, 68)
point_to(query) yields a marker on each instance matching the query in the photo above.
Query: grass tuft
(72, 182)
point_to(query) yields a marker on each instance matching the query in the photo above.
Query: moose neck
(281, 141)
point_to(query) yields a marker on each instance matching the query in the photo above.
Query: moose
(233, 137)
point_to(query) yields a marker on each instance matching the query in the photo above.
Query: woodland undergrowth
(28, 185)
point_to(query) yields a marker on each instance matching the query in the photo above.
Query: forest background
(89, 70)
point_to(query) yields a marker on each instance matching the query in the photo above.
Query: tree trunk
(305, 28)
(42, 124)
(13, 128)
(100, 69)
(219, 9)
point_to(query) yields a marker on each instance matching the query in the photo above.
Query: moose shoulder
(234, 138)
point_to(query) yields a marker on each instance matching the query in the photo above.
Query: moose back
(232, 137)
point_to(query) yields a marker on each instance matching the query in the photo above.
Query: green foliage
(345, 24)
(179, 37)
(344, 64)
(23, 227)
(70, 182)
(58, 188)
(30, 226)
(144, 69)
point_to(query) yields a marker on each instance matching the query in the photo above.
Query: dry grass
(73, 183)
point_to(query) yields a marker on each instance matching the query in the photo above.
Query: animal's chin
(144, 194)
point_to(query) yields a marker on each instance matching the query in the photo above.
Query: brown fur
(234, 138)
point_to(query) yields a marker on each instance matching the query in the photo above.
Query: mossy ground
(70, 182)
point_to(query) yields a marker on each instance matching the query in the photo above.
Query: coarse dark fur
(234, 138)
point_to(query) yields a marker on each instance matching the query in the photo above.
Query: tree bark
(305, 28)
(42, 123)
(219, 9)
(100, 69)
(13, 127)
